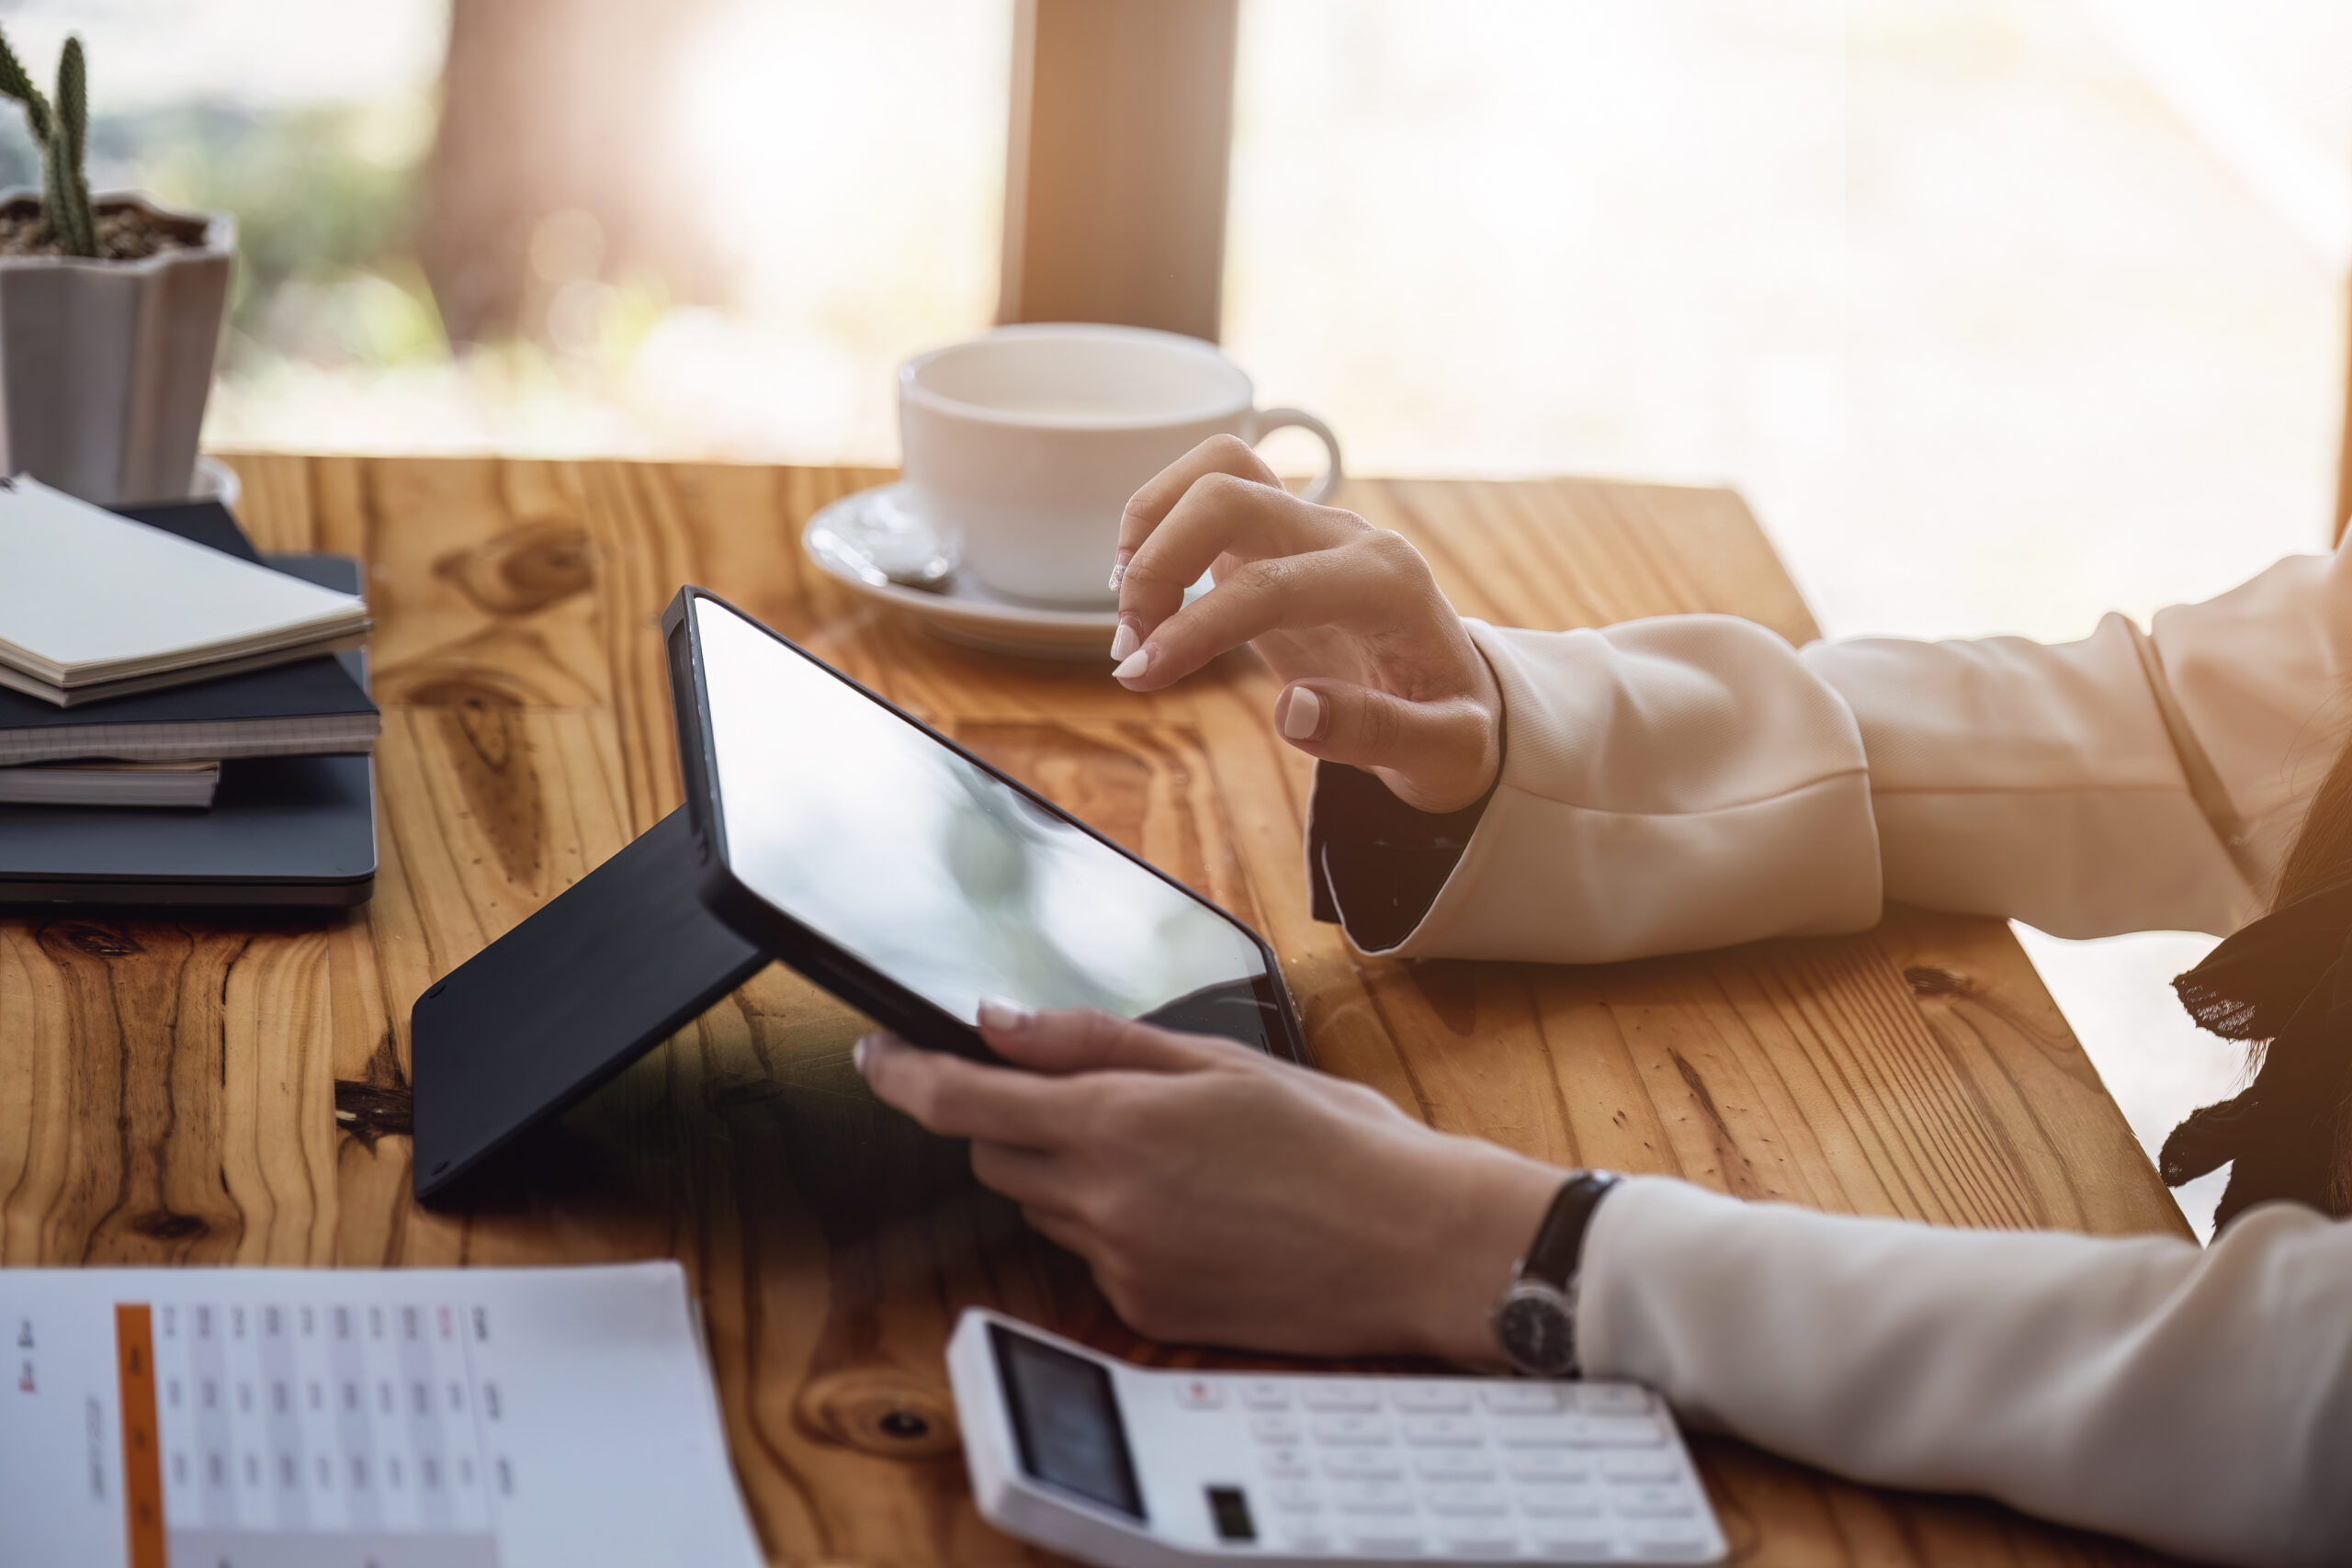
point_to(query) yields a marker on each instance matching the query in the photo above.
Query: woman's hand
(1378, 670)
(1225, 1198)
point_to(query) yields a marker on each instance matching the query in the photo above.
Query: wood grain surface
(233, 1090)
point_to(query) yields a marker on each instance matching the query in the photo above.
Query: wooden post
(2344, 463)
(548, 107)
(1122, 130)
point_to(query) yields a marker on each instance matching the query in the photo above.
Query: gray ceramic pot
(105, 364)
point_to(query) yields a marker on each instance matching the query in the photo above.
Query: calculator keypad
(1461, 1469)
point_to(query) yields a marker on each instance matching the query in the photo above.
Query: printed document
(381, 1418)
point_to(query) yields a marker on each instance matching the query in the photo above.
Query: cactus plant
(62, 130)
(109, 313)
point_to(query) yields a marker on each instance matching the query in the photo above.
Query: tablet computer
(826, 829)
(911, 879)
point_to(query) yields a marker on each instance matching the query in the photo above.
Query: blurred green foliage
(322, 195)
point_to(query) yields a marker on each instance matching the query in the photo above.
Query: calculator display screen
(1065, 1420)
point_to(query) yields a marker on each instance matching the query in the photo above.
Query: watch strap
(1553, 1257)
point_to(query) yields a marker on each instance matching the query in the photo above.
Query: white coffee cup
(1028, 442)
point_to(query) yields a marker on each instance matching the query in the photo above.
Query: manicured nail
(1124, 641)
(860, 1051)
(1132, 667)
(1303, 717)
(998, 1013)
(1119, 569)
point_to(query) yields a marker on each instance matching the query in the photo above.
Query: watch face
(1537, 1332)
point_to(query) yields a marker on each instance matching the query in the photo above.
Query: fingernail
(1303, 717)
(1118, 570)
(860, 1051)
(998, 1013)
(1125, 642)
(1132, 667)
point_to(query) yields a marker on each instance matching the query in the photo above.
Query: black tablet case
(282, 831)
(617, 961)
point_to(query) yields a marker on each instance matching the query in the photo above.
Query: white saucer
(962, 611)
(215, 481)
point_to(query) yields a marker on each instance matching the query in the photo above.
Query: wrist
(1490, 697)
(1497, 1200)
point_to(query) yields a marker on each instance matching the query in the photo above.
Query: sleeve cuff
(1666, 786)
(1374, 864)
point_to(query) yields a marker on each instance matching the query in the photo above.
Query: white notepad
(91, 605)
(340, 1418)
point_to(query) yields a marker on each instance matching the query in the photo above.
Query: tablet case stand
(614, 965)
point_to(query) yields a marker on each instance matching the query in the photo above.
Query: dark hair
(2322, 853)
(2284, 984)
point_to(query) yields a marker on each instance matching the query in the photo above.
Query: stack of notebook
(154, 672)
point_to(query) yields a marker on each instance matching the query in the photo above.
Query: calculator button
(1642, 1470)
(1453, 1464)
(1524, 1399)
(1432, 1398)
(1564, 1503)
(1363, 1464)
(1229, 1514)
(1274, 1429)
(1371, 1497)
(1354, 1430)
(1620, 1431)
(1265, 1393)
(1199, 1393)
(1658, 1540)
(1294, 1497)
(1464, 1497)
(1288, 1465)
(1385, 1545)
(1550, 1467)
(1338, 1394)
(1654, 1503)
(1613, 1399)
(1574, 1542)
(1459, 1546)
(1444, 1431)
(1540, 1432)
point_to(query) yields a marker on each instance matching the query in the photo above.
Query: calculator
(1132, 1467)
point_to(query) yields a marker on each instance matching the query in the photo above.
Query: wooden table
(205, 1091)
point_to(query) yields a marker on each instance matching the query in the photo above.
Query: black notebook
(310, 708)
(283, 831)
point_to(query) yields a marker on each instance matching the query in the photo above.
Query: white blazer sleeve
(1668, 784)
(2198, 1401)
(2264, 677)
(2011, 778)
(1691, 781)
(2058, 785)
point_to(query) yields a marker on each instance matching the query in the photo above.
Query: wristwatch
(1536, 1319)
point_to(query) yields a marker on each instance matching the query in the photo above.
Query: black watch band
(1558, 1245)
(1536, 1320)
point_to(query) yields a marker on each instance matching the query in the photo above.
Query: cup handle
(1265, 422)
